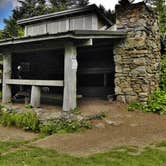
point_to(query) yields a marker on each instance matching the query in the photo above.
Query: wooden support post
(6, 89)
(70, 80)
(35, 96)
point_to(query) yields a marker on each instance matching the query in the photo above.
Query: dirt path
(119, 128)
(13, 134)
(126, 128)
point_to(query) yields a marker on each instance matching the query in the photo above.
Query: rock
(134, 125)
(137, 58)
(113, 123)
(100, 126)
(80, 118)
(109, 122)
(131, 98)
(118, 124)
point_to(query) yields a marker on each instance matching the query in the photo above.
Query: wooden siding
(85, 22)
(36, 29)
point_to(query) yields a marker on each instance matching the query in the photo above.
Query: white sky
(108, 4)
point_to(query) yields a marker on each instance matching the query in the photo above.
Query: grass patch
(118, 157)
(29, 121)
(161, 144)
(5, 146)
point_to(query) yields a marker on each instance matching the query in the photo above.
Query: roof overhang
(79, 37)
(86, 9)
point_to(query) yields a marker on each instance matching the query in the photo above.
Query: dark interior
(96, 71)
(95, 76)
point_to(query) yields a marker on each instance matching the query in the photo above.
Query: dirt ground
(13, 134)
(119, 128)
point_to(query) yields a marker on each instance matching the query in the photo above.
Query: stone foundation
(137, 58)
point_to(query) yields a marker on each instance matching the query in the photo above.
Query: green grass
(126, 156)
(5, 146)
(161, 144)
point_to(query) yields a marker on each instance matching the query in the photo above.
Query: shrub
(135, 106)
(69, 126)
(163, 73)
(27, 119)
(156, 102)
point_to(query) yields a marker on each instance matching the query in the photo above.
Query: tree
(160, 8)
(77, 3)
(11, 29)
(67, 4)
(28, 8)
(110, 14)
(126, 2)
(57, 5)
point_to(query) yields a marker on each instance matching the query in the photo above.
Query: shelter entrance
(45, 65)
(96, 69)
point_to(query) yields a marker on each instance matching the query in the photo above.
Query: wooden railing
(58, 83)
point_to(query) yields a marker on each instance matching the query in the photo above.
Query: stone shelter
(80, 52)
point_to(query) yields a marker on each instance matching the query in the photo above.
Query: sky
(6, 7)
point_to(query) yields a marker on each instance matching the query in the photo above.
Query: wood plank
(95, 70)
(70, 94)
(35, 96)
(34, 82)
(7, 68)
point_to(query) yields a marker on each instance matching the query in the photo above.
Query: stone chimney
(137, 58)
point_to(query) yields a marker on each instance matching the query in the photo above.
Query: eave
(80, 38)
(65, 13)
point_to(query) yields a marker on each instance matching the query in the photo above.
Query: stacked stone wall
(137, 58)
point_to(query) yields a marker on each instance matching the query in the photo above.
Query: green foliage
(125, 156)
(5, 146)
(0, 94)
(76, 111)
(163, 73)
(27, 119)
(157, 100)
(135, 106)
(28, 106)
(11, 29)
(67, 126)
(156, 103)
(161, 144)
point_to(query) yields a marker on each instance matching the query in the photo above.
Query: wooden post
(6, 89)
(35, 96)
(70, 80)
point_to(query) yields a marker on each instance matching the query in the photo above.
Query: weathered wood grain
(6, 89)
(70, 80)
